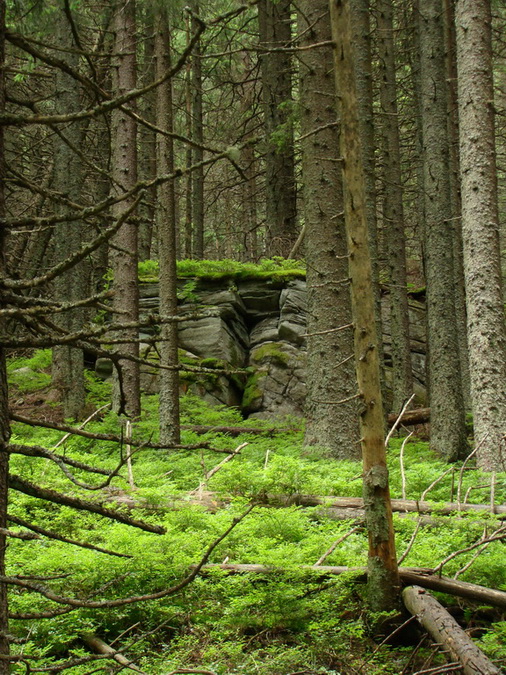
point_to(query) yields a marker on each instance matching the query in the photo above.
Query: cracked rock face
(259, 325)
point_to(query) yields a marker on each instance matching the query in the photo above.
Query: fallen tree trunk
(409, 575)
(101, 647)
(400, 505)
(410, 417)
(237, 431)
(447, 632)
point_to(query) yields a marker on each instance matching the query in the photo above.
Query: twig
(498, 535)
(82, 425)
(435, 482)
(492, 492)
(398, 420)
(411, 542)
(401, 463)
(210, 473)
(321, 560)
(128, 438)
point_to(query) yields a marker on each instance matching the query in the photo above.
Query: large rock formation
(256, 329)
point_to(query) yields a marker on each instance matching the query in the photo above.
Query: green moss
(252, 392)
(275, 268)
(273, 352)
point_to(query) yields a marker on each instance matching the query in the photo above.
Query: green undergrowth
(274, 268)
(284, 620)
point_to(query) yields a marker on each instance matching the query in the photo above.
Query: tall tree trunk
(197, 181)
(458, 256)
(383, 575)
(188, 210)
(68, 362)
(330, 370)
(448, 436)
(5, 430)
(393, 211)
(123, 252)
(480, 223)
(147, 148)
(166, 216)
(276, 74)
(361, 26)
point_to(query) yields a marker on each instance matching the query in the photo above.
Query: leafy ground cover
(289, 620)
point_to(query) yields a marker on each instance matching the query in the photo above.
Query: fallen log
(400, 505)
(201, 429)
(411, 417)
(447, 632)
(409, 576)
(100, 647)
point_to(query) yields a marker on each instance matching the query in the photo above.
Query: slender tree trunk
(123, 252)
(448, 436)
(383, 575)
(276, 74)
(147, 148)
(68, 362)
(458, 256)
(188, 211)
(166, 206)
(393, 211)
(361, 25)
(197, 182)
(5, 430)
(330, 369)
(480, 222)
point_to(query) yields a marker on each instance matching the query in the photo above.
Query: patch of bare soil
(43, 404)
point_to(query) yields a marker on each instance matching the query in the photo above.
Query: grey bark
(448, 436)
(197, 181)
(330, 367)
(447, 632)
(68, 362)
(458, 256)
(276, 75)
(393, 210)
(123, 251)
(166, 225)
(147, 148)
(480, 224)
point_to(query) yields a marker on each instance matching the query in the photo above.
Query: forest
(252, 337)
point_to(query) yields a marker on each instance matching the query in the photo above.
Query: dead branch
(54, 535)
(409, 576)
(406, 505)
(24, 486)
(101, 647)
(120, 602)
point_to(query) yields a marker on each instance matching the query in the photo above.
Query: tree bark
(123, 251)
(166, 217)
(480, 222)
(447, 632)
(5, 430)
(197, 154)
(382, 561)
(393, 209)
(361, 26)
(68, 362)
(330, 370)
(276, 74)
(448, 435)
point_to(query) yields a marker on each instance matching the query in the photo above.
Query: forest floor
(284, 620)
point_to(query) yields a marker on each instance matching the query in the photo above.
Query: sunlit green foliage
(282, 621)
